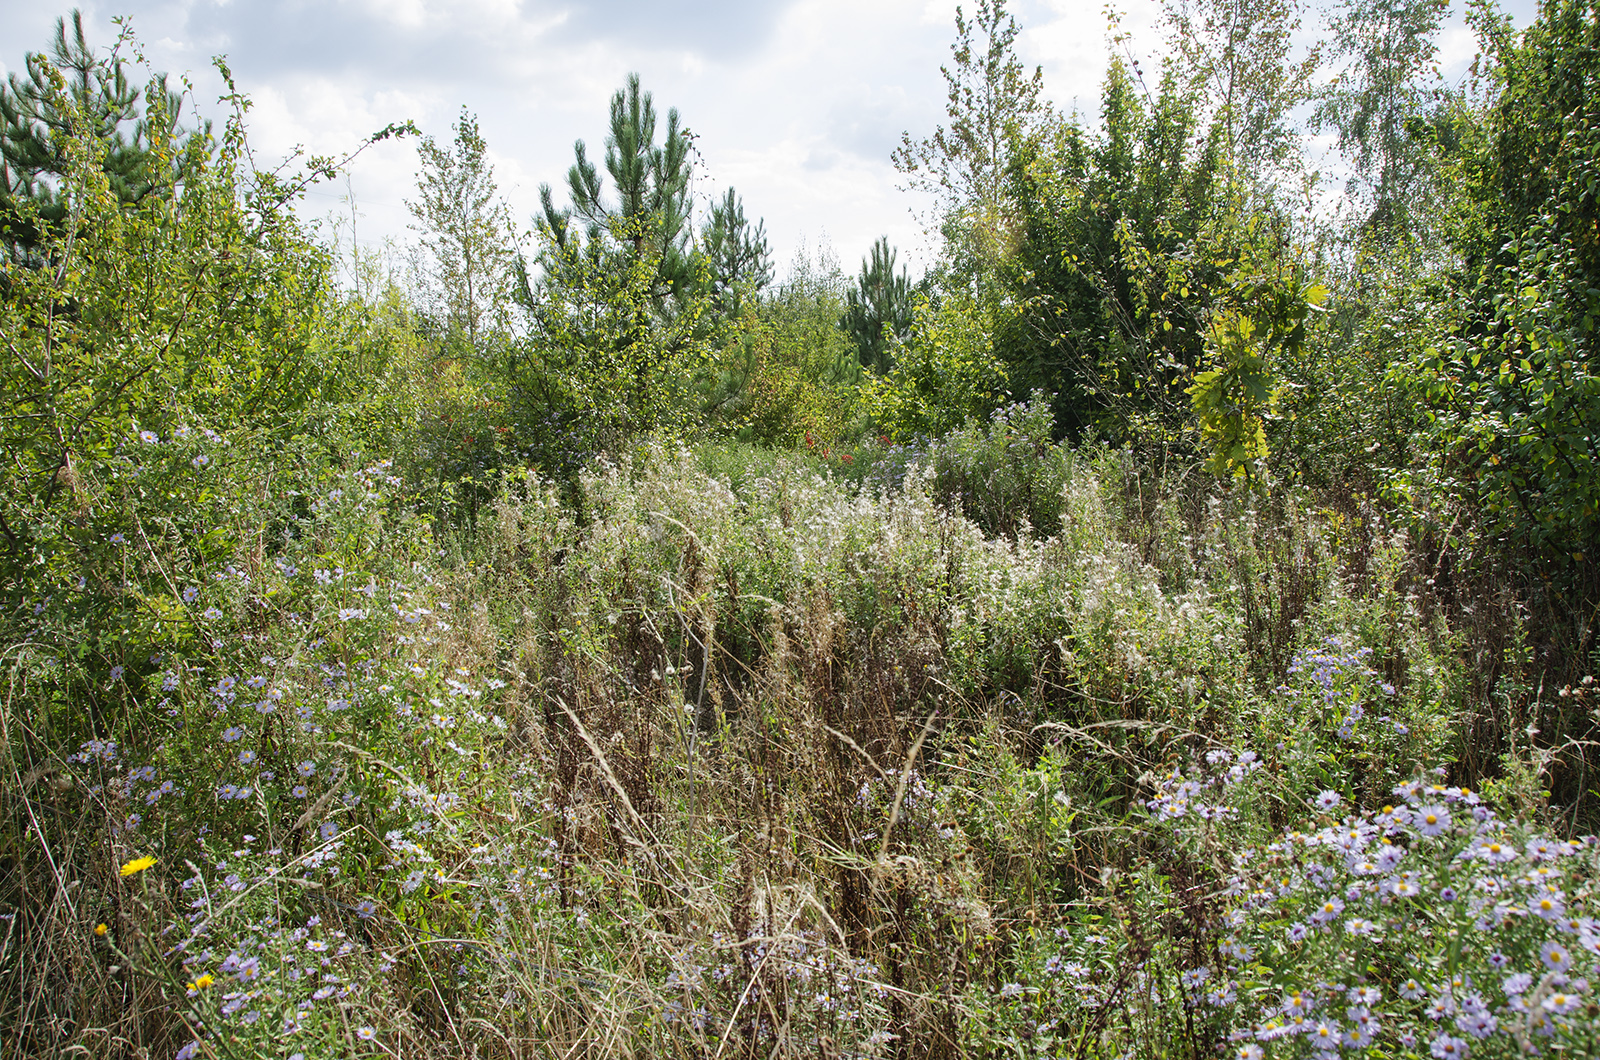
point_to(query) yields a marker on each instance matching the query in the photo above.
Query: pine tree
(879, 300)
(736, 253)
(33, 131)
(617, 299)
(649, 220)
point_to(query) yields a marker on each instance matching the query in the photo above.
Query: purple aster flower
(1325, 1036)
(1328, 911)
(1551, 905)
(1555, 956)
(1479, 1026)
(1517, 983)
(1560, 1002)
(1431, 820)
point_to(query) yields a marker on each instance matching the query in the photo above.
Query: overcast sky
(796, 103)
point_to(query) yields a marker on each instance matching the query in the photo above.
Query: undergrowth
(761, 760)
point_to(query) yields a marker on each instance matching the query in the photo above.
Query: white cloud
(796, 103)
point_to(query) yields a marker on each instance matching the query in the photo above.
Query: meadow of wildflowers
(383, 682)
(773, 763)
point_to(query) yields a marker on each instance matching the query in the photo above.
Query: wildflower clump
(253, 972)
(1429, 927)
(1345, 725)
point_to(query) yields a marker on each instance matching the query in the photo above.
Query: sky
(797, 104)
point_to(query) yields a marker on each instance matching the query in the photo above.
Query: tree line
(1153, 272)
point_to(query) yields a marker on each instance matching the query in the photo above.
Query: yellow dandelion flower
(203, 982)
(100, 930)
(136, 866)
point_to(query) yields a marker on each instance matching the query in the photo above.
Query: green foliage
(467, 252)
(1383, 308)
(604, 364)
(173, 368)
(1234, 400)
(1512, 398)
(1132, 241)
(944, 374)
(203, 305)
(792, 388)
(878, 308)
(991, 98)
(787, 372)
(36, 126)
(617, 309)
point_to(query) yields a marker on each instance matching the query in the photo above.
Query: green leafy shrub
(1511, 397)
(946, 373)
(1234, 400)
(1008, 475)
(788, 374)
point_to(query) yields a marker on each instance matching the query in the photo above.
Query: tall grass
(757, 761)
